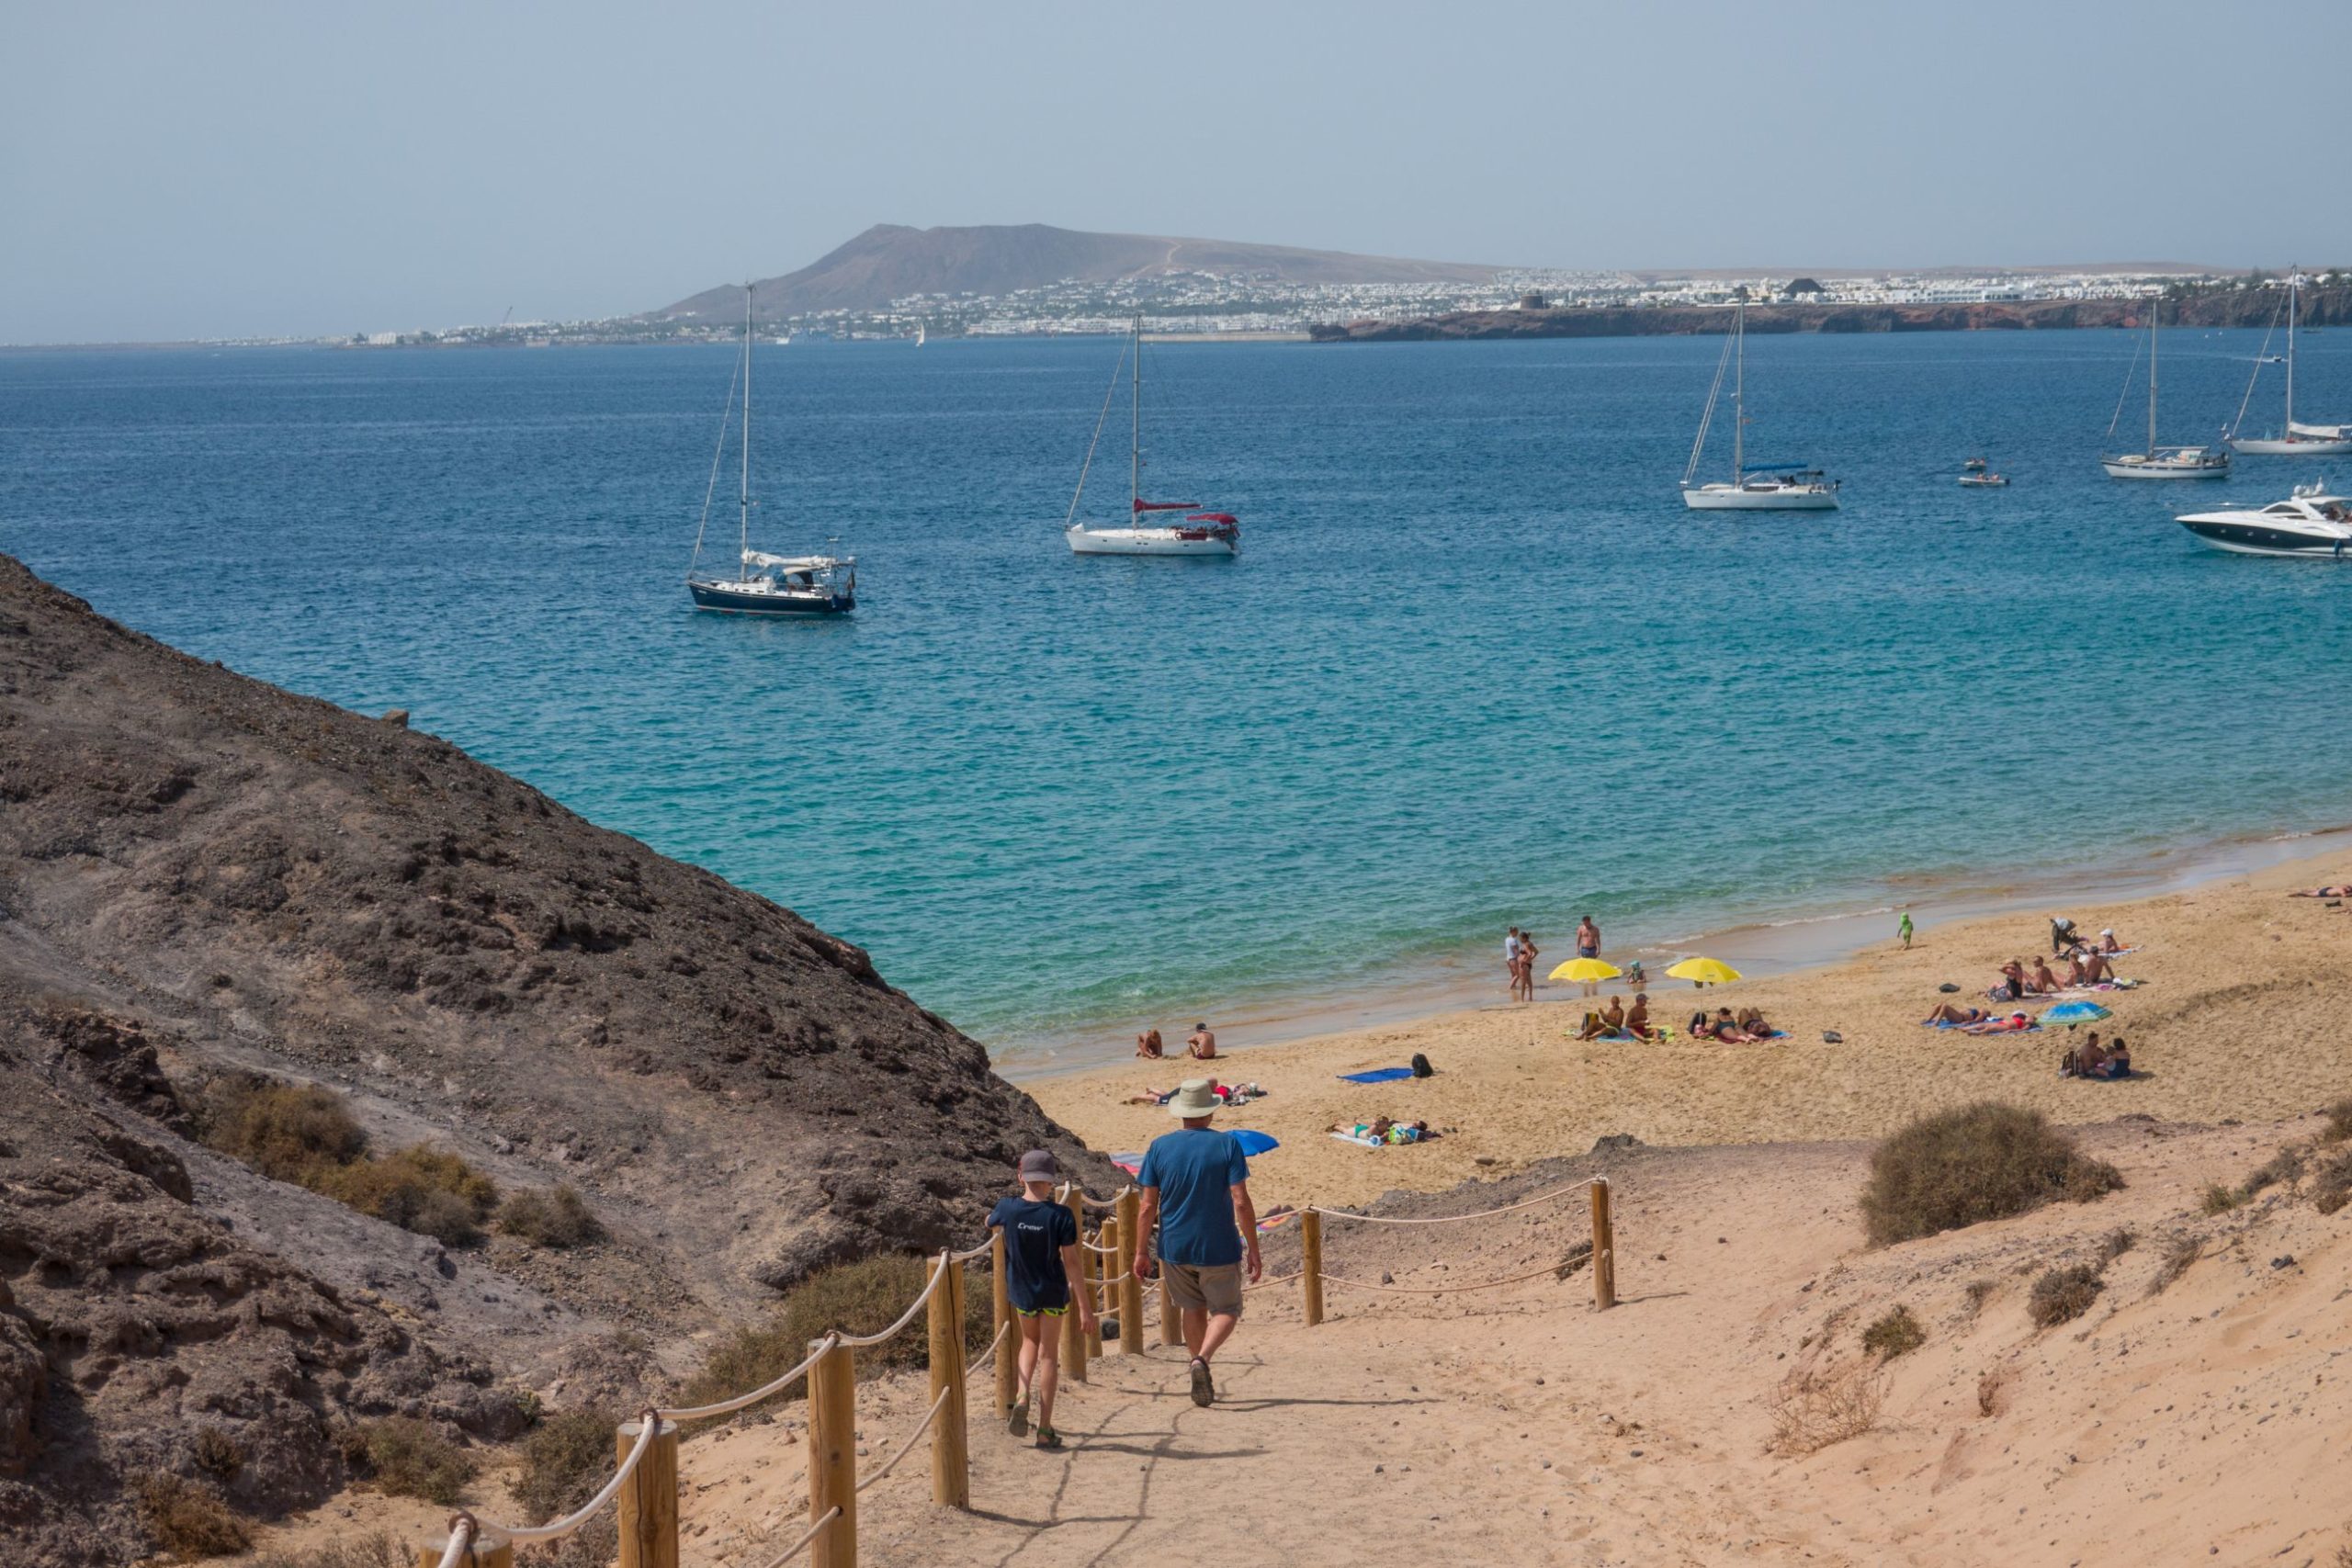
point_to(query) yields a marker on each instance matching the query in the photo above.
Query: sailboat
(1196, 533)
(918, 334)
(764, 584)
(2299, 440)
(2160, 462)
(1753, 487)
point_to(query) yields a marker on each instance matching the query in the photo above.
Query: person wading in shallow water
(1196, 1185)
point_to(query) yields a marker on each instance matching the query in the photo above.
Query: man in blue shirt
(1042, 1279)
(1196, 1185)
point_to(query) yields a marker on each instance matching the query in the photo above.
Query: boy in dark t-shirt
(1042, 1277)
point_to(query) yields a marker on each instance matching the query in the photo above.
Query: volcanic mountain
(890, 261)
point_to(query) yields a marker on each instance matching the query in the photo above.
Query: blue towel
(1378, 1075)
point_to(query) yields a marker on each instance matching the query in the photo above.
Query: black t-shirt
(1035, 1230)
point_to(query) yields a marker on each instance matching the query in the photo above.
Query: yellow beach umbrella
(1587, 970)
(1705, 971)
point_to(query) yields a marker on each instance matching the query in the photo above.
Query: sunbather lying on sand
(1382, 1130)
(1227, 1094)
(1752, 1024)
(2340, 890)
(2016, 1022)
(1949, 1014)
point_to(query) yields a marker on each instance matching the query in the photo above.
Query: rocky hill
(891, 261)
(2323, 307)
(200, 874)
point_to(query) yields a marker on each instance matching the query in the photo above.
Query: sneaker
(1204, 1390)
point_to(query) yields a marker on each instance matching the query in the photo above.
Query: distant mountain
(890, 261)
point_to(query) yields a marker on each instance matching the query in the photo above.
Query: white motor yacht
(2307, 524)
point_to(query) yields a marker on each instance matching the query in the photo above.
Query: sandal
(1204, 1388)
(1018, 1417)
(1049, 1440)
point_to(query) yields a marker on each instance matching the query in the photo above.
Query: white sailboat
(1196, 533)
(2299, 440)
(2160, 462)
(764, 584)
(1758, 487)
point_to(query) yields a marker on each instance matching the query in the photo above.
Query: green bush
(285, 1131)
(420, 1189)
(1895, 1333)
(411, 1459)
(863, 1297)
(557, 1217)
(189, 1521)
(566, 1457)
(2062, 1294)
(1960, 1167)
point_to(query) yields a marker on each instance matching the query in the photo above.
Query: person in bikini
(1148, 1044)
(1948, 1013)
(2044, 982)
(1752, 1024)
(1512, 961)
(2013, 982)
(1042, 1279)
(1527, 954)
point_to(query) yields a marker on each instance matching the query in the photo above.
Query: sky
(170, 171)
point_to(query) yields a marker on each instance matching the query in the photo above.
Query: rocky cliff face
(199, 872)
(2321, 307)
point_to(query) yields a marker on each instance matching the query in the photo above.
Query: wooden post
(951, 1479)
(1130, 1288)
(1106, 1301)
(1310, 1264)
(1073, 1337)
(1604, 1254)
(489, 1549)
(1008, 1349)
(832, 1456)
(648, 1500)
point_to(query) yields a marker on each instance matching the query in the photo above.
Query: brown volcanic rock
(129, 1324)
(270, 882)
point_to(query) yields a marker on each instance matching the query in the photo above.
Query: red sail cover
(1226, 517)
(1165, 505)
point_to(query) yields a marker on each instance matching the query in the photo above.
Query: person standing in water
(1042, 1279)
(1903, 928)
(1196, 1185)
(1528, 953)
(1512, 961)
(1587, 939)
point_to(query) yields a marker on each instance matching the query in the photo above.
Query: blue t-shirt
(1196, 1169)
(1035, 1230)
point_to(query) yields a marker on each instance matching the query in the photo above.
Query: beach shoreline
(2235, 1012)
(1428, 988)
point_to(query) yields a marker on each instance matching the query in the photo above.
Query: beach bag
(1421, 1069)
(1831, 1037)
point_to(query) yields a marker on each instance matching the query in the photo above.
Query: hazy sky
(173, 170)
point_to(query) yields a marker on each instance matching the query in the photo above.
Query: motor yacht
(2309, 522)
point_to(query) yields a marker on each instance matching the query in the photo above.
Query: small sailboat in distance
(764, 584)
(2298, 440)
(2160, 462)
(1753, 487)
(1195, 532)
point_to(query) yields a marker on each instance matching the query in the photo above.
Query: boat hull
(1728, 498)
(2297, 447)
(2118, 468)
(803, 606)
(2254, 539)
(1084, 541)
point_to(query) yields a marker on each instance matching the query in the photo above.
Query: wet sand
(2241, 1014)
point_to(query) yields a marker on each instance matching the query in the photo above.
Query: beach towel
(1360, 1142)
(1378, 1075)
(1131, 1164)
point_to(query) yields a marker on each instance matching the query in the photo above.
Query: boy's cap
(1039, 1164)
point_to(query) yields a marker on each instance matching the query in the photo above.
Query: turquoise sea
(1475, 666)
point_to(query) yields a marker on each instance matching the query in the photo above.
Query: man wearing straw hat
(1195, 1184)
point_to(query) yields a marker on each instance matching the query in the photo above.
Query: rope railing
(1329, 1279)
(859, 1342)
(811, 1533)
(745, 1400)
(1002, 1330)
(912, 1439)
(556, 1530)
(1450, 1219)
(461, 1541)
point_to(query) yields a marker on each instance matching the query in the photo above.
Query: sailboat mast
(2293, 288)
(2155, 316)
(1739, 392)
(1134, 443)
(743, 528)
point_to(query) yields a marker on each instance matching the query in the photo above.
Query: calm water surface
(1475, 666)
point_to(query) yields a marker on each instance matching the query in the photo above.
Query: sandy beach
(2239, 1014)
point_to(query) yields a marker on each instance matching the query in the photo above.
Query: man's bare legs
(1203, 1333)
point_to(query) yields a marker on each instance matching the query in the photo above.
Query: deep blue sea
(1476, 665)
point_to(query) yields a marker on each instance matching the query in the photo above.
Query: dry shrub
(565, 1459)
(218, 1453)
(284, 1131)
(377, 1551)
(409, 1457)
(189, 1521)
(1989, 1388)
(2183, 1251)
(2221, 1200)
(1979, 1292)
(1819, 1404)
(863, 1297)
(557, 1217)
(1983, 1161)
(2061, 1295)
(2281, 1169)
(418, 1188)
(1895, 1333)
(2332, 1185)
(593, 1545)
(2120, 1240)
(2339, 1122)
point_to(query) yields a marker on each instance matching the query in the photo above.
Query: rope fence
(645, 1479)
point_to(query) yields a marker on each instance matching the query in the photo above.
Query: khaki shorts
(1214, 1287)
